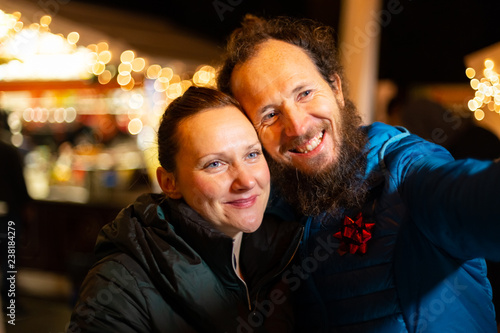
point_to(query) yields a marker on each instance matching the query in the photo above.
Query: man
(395, 229)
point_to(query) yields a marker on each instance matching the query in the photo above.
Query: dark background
(425, 43)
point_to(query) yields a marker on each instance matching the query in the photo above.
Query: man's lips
(244, 202)
(309, 145)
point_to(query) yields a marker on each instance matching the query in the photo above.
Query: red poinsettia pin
(353, 235)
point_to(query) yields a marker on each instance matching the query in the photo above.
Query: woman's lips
(243, 203)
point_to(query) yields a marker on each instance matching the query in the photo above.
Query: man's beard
(340, 186)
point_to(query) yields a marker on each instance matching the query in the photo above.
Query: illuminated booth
(84, 117)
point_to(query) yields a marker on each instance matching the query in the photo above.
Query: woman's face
(220, 170)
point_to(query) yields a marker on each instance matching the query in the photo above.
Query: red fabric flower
(354, 235)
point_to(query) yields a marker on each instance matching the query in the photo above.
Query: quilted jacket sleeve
(454, 203)
(118, 298)
(110, 301)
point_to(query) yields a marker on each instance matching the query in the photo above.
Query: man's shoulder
(378, 132)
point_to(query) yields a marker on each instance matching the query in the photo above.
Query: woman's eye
(214, 164)
(254, 154)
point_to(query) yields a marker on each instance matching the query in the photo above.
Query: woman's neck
(236, 253)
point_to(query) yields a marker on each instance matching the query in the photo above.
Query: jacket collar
(213, 246)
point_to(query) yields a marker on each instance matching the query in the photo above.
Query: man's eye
(304, 94)
(269, 116)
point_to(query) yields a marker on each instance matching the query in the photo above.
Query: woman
(196, 259)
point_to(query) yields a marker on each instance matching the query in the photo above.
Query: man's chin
(312, 166)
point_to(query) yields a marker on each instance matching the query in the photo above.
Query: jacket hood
(146, 232)
(158, 232)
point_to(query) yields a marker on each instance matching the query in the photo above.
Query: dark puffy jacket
(162, 268)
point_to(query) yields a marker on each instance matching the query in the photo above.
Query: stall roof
(150, 37)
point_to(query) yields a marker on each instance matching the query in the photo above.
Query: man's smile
(309, 145)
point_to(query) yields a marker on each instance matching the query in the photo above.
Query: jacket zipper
(244, 283)
(281, 271)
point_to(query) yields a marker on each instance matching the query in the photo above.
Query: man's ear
(166, 180)
(337, 88)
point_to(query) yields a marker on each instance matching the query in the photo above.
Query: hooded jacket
(435, 219)
(163, 268)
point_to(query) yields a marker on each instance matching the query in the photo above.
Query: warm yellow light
(482, 87)
(18, 26)
(123, 78)
(105, 56)
(105, 77)
(34, 26)
(175, 79)
(472, 105)
(127, 56)
(161, 84)
(59, 115)
(185, 84)
(489, 64)
(73, 37)
(491, 106)
(98, 68)
(102, 46)
(470, 72)
(138, 64)
(135, 126)
(45, 20)
(167, 73)
(129, 86)
(92, 58)
(28, 114)
(136, 101)
(70, 115)
(92, 48)
(479, 115)
(153, 72)
(174, 90)
(125, 67)
(17, 139)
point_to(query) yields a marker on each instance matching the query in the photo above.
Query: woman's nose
(244, 179)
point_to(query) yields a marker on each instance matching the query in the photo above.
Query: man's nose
(294, 120)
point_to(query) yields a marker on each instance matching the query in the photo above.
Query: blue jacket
(423, 270)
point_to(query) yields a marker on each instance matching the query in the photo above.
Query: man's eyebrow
(299, 88)
(294, 91)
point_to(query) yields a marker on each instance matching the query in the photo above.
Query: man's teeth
(312, 144)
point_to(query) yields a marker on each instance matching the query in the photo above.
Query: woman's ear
(337, 88)
(166, 180)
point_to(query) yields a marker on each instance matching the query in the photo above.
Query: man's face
(295, 111)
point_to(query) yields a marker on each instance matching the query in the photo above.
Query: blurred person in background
(201, 257)
(14, 199)
(396, 230)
